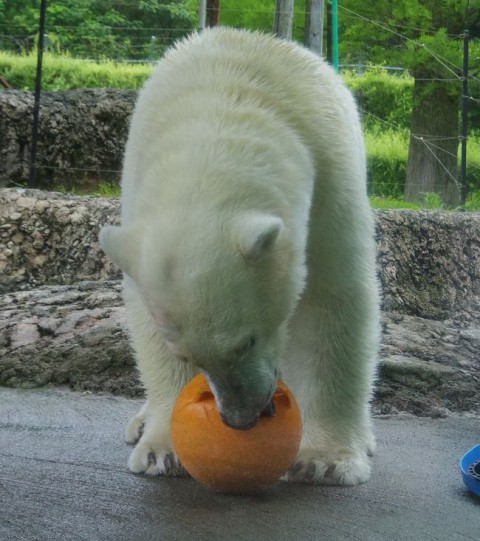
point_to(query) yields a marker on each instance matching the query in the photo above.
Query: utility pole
(283, 21)
(464, 136)
(38, 89)
(314, 25)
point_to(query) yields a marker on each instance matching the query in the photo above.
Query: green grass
(473, 202)
(104, 189)
(387, 153)
(389, 203)
(431, 201)
(60, 72)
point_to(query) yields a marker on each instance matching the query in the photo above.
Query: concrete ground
(63, 477)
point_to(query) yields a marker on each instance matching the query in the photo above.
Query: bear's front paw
(321, 469)
(135, 428)
(154, 458)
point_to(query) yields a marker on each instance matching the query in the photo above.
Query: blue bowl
(470, 466)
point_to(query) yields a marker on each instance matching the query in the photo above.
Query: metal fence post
(38, 88)
(464, 136)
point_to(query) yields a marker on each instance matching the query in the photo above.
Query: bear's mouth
(268, 411)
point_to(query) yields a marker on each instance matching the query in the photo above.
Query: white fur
(247, 244)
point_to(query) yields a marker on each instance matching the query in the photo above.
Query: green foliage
(430, 200)
(96, 29)
(386, 28)
(382, 96)
(473, 202)
(387, 161)
(434, 55)
(421, 35)
(473, 163)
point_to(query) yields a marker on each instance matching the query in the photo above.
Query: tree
(213, 12)
(95, 29)
(425, 37)
(432, 157)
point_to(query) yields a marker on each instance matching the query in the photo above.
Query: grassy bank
(60, 72)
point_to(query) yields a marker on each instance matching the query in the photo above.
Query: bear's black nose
(246, 426)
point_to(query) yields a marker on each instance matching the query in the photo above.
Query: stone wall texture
(62, 319)
(82, 134)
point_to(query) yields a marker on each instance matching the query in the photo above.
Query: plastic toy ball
(228, 460)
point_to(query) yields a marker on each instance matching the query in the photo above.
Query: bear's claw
(321, 471)
(144, 460)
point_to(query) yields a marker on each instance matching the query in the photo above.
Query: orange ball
(228, 460)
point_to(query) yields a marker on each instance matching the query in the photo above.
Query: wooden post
(314, 25)
(283, 22)
(213, 12)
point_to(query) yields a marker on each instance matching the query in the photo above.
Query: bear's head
(221, 291)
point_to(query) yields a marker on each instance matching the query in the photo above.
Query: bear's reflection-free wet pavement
(63, 476)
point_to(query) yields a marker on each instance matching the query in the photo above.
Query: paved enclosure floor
(63, 476)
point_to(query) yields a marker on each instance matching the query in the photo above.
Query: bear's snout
(269, 411)
(241, 403)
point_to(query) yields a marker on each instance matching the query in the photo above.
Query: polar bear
(247, 247)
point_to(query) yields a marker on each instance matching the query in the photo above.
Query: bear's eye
(247, 345)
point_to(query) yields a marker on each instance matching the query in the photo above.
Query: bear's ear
(122, 246)
(257, 233)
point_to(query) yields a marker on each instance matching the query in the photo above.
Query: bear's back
(225, 84)
(286, 76)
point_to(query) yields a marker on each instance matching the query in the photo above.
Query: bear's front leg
(327, 459)
(163, 377)
(332, 353)
(149, 431)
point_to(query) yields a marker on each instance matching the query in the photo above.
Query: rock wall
(429, 262)
(48, 238)
(82, 134)
(62, 320)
